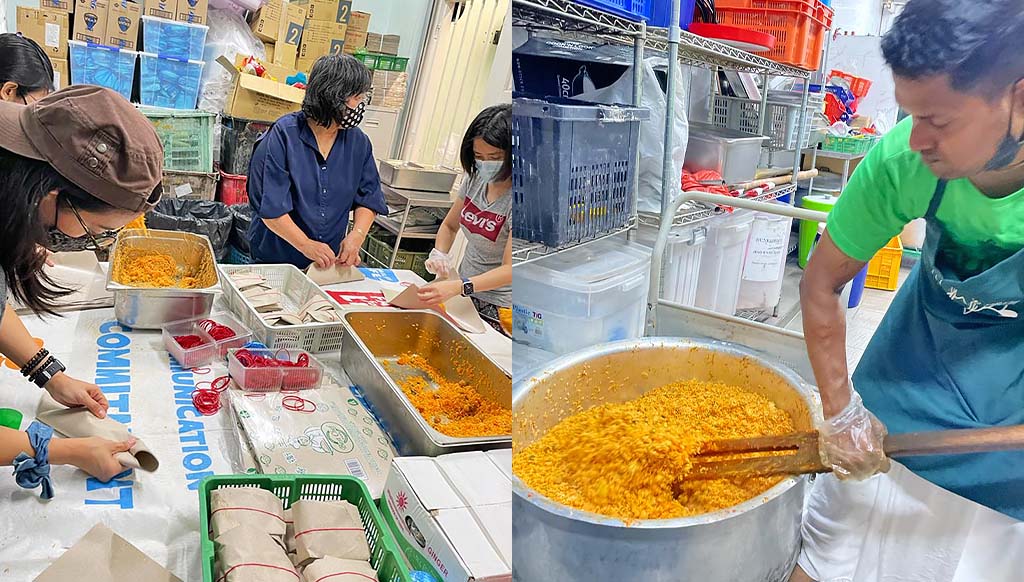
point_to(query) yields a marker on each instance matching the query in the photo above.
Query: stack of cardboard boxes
(384, 44)
(279, 25)
(50, 29)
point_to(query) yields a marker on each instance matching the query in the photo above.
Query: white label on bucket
(769, 241)
(52, 34)
(182, 190)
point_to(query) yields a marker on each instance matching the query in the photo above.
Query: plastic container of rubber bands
(270, 370)
(197, 342)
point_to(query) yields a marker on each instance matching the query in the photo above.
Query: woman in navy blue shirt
(312, 169)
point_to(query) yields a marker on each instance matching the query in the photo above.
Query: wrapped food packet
(328, 528)
(338, 570)
(231, 507)
(289, 531)
(246, 554)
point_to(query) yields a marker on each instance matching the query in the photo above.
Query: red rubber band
(220, 384)
(199, 385)
(297, 404)
(206, 402)
(201, 371)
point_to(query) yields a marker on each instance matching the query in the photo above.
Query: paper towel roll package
(80, 423)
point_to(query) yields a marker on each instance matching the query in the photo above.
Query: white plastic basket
(783, 117)
(296, 288)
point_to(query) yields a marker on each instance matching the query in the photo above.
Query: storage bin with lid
(732, 153)
(170, 83)
(105, 66)
(721, 262)
(167, 38)
(593, 294)
(680, 267)
(765, 262)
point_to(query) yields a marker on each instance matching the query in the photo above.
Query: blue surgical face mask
(489, 169)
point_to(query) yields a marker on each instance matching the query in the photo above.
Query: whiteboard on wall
(862, 56)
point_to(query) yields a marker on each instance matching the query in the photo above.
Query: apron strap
(940, 192)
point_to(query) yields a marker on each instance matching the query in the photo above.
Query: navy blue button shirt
(288, 175)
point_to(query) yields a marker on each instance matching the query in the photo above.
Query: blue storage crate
(660, 13)
(167, 38)
(654, 12)
(105, 66)
(170, 83)
(572, 177)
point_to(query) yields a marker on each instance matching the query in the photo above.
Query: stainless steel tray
(375, 336)
(413, 176)
(153, 307)
(734, 154)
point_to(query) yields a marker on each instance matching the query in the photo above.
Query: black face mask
(57, 241)
(352, 117)
(1009, 147)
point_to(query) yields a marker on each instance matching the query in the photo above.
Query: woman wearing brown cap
(77, 164)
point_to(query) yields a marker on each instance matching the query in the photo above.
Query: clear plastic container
(275, 378)
(765, 262)
(170, 83)
(721, 263)
(195, 357)
(105, 66)
(594, 294)
(680, 269)
(179, 40)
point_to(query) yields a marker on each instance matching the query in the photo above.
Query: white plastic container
(765, 262)
(591, 295)
(721, 263)
(680, 268)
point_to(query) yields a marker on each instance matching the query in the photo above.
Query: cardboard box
(67, 6)
(253, 97)
(291, 36)
(354, 40)
(266, 23)
(271, 49)
(61, 75)
(384, 44)
(91, 21)
(160, 8)
(390, 88)
(48, 28)
(359, 21)
(327, 10)
(192, 11)
(123, 25)
(318, 39)
(452, 516)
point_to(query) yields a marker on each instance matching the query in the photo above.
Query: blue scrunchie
(31, 473)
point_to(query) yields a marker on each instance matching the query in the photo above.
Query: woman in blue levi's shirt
(312, 169)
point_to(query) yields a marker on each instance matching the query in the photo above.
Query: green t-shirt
(892, 187)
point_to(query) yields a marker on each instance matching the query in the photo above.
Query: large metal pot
(756, 541)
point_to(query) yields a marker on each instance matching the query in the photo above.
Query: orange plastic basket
(799, 26)
(859, 86)
(884, 269)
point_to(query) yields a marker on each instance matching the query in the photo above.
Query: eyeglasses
(96, 242)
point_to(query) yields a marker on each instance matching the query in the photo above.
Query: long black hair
(334, 80)
(22, 61)
(494, 126)
(24, 182)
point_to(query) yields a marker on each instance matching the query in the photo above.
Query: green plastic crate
(385, 62)
(187, 137)
(384, 552)
(371, 60)
(849, 145)
(379, 246)
(400, 65)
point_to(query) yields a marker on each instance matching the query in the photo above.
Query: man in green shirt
(950, 352)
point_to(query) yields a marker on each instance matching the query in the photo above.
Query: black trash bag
(240, 233)
(205, 217)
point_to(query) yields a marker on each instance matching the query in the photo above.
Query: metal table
(846, 159)
(405, 201)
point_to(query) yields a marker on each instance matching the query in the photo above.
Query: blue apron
(949, 354)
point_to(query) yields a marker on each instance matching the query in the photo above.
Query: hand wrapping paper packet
(338, 570)
(80, 423)
(245, 554)
(256, 508)
(328, 528)
(331, 434)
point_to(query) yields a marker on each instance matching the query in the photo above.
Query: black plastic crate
(237, 140)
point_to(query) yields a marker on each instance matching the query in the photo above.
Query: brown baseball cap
(95, 138)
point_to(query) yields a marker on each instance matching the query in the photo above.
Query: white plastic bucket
(680, 267)
(721, 263)
(765, 262)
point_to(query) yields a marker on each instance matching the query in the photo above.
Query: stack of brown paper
(103, 556)
(334, 275)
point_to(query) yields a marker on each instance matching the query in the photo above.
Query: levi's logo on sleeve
(482, 222)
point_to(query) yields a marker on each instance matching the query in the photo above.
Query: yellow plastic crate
(884, 269)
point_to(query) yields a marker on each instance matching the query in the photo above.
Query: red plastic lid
(741, 38)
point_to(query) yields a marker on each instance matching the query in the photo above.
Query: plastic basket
(384, 552)
(380, 244)
(237, 257)
(204, 354)
(369, 59)
(849, 145)
(170, 83)
(198, 185)
(187, 137)
(574, 179)
(859, 86)
(273, 378)
(105, 66)
(783, 118)
(238, 139)
(296, 288)
(884, 268)
(799, 26)
(654, 12)
(232, 189)
(167, 38)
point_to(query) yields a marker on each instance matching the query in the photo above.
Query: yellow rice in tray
(629, 460)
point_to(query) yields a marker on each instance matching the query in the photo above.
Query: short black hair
(22, 61)
(977, 44)
(494, 126)
(334, 80)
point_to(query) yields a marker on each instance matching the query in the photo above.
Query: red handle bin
(233, 189)
(266, 370)
(799, 27)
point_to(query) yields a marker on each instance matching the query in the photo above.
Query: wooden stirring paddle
(798, 453)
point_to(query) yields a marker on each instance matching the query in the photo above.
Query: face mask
(352, 117)
(1008, 148)
(57, 241)
(489, 169)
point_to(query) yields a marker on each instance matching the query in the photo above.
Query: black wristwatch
(47, 372)
(467, 287)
